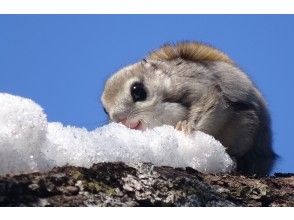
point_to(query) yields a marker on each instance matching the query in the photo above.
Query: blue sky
(62, 61)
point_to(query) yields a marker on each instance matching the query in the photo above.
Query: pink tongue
(133, 125)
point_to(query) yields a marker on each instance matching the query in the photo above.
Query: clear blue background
(62, 61)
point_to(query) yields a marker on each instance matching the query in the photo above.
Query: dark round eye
(138, 92)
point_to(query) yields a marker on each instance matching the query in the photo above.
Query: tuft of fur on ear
(192, 51)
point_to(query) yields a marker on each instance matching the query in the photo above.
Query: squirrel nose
(118, 117)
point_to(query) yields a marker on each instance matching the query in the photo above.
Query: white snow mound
(29, 143)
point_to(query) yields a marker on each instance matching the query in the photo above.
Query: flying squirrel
(193, 86)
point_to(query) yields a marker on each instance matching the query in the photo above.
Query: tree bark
(116, 184)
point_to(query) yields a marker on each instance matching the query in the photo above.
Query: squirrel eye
(138, 92)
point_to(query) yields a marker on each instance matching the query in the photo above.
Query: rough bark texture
(116, 184)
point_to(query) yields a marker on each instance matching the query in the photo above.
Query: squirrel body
(201, 85)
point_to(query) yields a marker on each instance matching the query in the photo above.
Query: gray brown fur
(203, 86)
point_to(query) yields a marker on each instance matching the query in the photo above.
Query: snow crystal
(29, 143)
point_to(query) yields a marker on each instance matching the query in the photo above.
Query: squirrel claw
(185, 127)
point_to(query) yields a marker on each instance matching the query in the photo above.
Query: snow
(29, 143)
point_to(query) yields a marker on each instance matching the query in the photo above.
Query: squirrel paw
(185, 127)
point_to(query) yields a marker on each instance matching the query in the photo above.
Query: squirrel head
(146, 94)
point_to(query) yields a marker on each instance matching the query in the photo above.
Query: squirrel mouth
(136, 125)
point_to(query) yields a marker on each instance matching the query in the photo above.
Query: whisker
(145, 121)
(130, 113)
